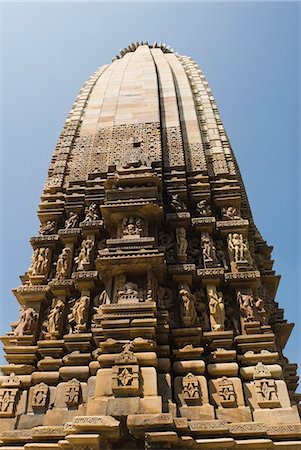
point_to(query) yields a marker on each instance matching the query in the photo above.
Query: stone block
(149, 381)
(239, 414)
(123, 406)
(150, 405)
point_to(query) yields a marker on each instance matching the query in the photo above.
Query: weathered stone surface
(147, 315)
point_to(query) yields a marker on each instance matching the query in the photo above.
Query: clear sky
(249, 54)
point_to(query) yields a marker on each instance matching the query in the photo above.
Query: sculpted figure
(262, 313)
(77, 319)
(84, 256)
(177, 203)
(231, 213)
(48, 227)
(201, 309)
(231, 319)
(62, 264)
(220, 254)
(247, 305)
(208, 250)
(99, 300)
(187, 306)
(182, 243)
(91, 213)
(40, 261)
(194, 251)
(72, 220)
(129, 292)
(55, 317)
(238, 248)
(217, 310)
(132, 226)
(27, 322)
(167, 241)
(203, 208)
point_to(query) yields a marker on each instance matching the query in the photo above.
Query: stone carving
(261, 371)
(227, 393)
(27, 322)
(203, 208)
(127, 355)
(221, 255)
(194, 251)
(239, 252)
(164, 298)
(84, 258)
(129, 293)
(231, 315)
(72, 220)
(62, 264)
(168, 242)
(250, 309)
(177, 203)
(201, 309)
(191, 390)
(9, 392)
(187, 306)
(54, 321)
(39, 262)
(267, 395)
(78, 316)
(132, 226)
(101, 299)
(208, 251)
(91, 213)
(231, 213)
(73, 392)
(182, 243)
(217, 310)
(48, 228)
(40, 394)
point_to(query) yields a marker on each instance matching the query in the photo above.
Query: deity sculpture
(208, 250)
(182, 243)
(247, 305)
(62, 264)
(167, 241)
(217, 310)
(72, 220)
(194, 251)
(220, 254)
(55, 317)
(40, 262)
(78, 316)
(238, 249)
(91, 213)
(27, 322)
(231, 213)
(128, 293)
(203, 208)
(48, 227)
(187, 306)
(177, 203)
(231, 319)
(84, 257)
(132, 226)
(200, 305)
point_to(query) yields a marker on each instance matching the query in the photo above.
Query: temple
(148, 317)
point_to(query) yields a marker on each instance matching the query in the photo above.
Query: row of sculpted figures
(212, 308)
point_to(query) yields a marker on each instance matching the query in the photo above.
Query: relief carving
(217, 310)
(27, 322)
(187, 306)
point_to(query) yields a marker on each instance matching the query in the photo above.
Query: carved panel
(173, 153)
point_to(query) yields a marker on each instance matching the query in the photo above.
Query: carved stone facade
(147, 316)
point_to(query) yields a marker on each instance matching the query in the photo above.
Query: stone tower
(148, 318)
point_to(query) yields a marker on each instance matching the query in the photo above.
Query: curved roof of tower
(154, 98)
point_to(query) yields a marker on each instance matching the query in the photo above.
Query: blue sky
(249, 54)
